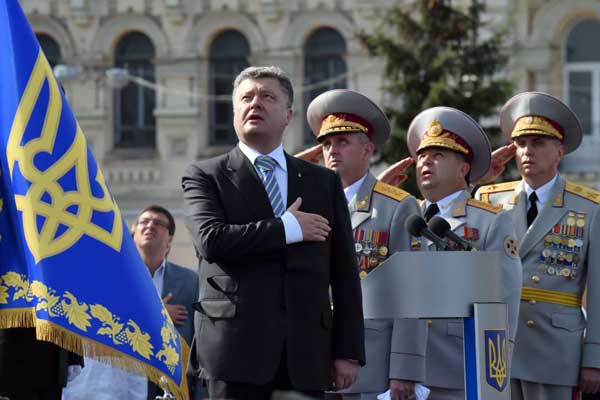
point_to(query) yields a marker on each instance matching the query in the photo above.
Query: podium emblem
(496, 358)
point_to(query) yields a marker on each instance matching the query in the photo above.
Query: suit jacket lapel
(550, 214)
(169, 284)
(296, 175)
(360, 205)
(245, 178)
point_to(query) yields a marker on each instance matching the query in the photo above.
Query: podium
(450, 284)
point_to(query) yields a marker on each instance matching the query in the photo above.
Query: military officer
(555, 221)
(451, 149)
(349, 126)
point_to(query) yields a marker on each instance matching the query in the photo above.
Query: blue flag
(68, 266)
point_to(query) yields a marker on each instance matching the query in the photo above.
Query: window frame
(142, 136)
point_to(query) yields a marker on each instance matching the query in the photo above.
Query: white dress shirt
(351, 190)
(542, 192)
(293, 231)
(444, 204)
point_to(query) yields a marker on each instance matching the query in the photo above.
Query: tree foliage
(437, 54)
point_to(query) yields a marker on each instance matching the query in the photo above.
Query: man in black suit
(265, 320)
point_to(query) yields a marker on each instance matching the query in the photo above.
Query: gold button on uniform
(532, 302)
(535, 279)
(429, 323)
(531, 323)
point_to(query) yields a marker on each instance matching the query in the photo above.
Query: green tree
(435, 54)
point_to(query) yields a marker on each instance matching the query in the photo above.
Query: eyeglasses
(158, 222)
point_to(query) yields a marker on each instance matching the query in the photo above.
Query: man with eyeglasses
(178, 286)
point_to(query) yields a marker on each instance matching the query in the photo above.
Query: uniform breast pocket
(455, 329)
(569, 322)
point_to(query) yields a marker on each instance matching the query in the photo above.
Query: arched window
(227, 58)
(50, 48)
(582, 74)
(135, 125)
(324, 67)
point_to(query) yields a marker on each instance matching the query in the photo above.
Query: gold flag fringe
(53, 333)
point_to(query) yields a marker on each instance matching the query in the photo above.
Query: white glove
(73, 372)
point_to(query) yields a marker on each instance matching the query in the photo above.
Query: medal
(358, 247)
(383, 251)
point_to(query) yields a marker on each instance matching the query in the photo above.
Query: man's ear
(370, 149)
(465, 169)
(561, 152)
(169, 242)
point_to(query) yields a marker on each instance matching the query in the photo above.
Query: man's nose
(528, 150)
(256, 102)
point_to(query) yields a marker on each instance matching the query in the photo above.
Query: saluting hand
(315, 228)
(177, 312)
(500, 157)
(313, 154)
(395, 174)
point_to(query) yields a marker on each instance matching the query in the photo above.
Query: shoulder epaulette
(499, 187)
(583, 191)
(390, 191)
(484, 206)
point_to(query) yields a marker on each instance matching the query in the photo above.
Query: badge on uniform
(510, 247)
(496, 358)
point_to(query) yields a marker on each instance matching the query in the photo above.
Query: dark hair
(267, 72)
(161, 210)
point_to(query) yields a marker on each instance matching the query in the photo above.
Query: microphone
(416, 226)
(441, 227)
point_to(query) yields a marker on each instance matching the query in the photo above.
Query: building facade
(184, 55)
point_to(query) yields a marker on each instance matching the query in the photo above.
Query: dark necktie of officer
(533, 211)
(431, 210)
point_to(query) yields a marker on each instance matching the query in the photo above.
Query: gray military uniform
(487, 229)
(394, 348)
(558, 259)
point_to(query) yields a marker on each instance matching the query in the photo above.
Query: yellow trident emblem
(496, 359)
(46, 242)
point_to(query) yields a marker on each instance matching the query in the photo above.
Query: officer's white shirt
(291, 226)
(445, 203)
(351, 190)
(542, 192)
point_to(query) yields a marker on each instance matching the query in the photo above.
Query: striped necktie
(267, 165)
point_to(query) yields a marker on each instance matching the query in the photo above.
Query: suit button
(531, 323)
(532, 302)
(429, 323)
(535, 279)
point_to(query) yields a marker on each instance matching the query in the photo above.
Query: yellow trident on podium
(496, 359)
